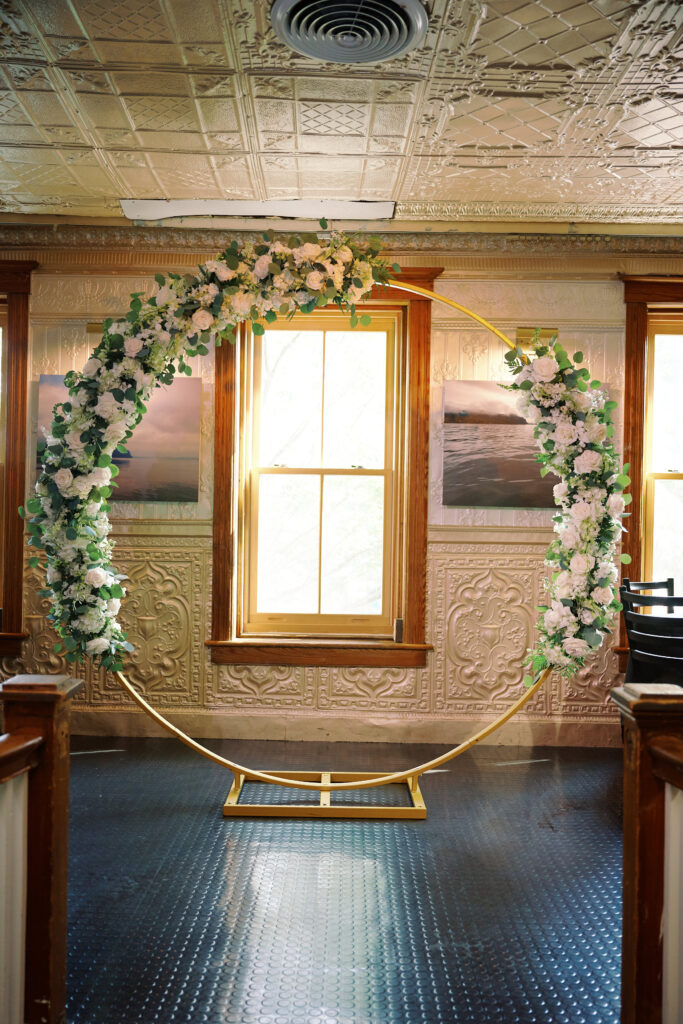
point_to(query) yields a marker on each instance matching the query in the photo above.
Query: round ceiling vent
(350, 31)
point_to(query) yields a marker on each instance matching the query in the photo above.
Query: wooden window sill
(10, 643)
(360, 653)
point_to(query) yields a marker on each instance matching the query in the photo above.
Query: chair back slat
(655, 640)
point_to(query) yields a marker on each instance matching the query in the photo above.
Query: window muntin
(321, 438)
(663, 450)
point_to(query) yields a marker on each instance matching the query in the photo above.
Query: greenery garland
(573, 427)
(68, 516)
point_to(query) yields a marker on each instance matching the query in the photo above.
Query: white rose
(596, 432)
(242, 302)
(616, 505)
(96, 577)
(164, 295)
(92, 367)
(344, 254)
(262, 266)
(588, 462)
(560, 491)
(563, 585)
(581, 400)
(73, 439)
(565, 433)
(100, 476)
(113, 605)
(202, 319)
(98, 645)
(223, 272)
(570, 536)
(132, 346)
(601, 595)
(314, 281)
(581, 510)
(544, 368)
(107, 406)
(64, 479)
(82, 486)
(115, 432)
(53, 575)
(307, 252)
(581, 564)
(575, 647)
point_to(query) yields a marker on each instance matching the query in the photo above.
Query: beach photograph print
(489, 451)
(163, 459)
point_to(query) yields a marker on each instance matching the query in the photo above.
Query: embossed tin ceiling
(557, 110)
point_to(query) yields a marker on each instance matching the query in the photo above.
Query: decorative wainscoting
(483, 584)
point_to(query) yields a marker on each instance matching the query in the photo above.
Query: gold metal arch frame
(328, 782)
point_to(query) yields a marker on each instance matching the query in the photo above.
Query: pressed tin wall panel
(484, 571)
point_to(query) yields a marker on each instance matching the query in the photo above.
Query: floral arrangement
(573, 427)
(68, 515)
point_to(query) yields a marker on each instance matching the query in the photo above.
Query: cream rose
(64, 479)
(202, 319)
(98, 645)
(575, 646)
(314, 280)
(616, 505)
(92, 367)
(581, 564)
(601, 595)
(544, 369)
(107, 406)
(96, 577)
(132, 346)
(262, 266)
(588, 462)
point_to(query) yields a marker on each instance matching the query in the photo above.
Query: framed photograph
(489, 451)
(163, 464)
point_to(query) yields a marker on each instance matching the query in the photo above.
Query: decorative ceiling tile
(218, 115)
(555, 109)
(170, 113)
(338, 119)
(154, 83)
(170, 141)
(134, 19)
(275, 115)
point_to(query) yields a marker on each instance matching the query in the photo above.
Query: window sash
(658, 324)
(319, 624)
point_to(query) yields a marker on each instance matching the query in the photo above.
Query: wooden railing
(34, 802)
(652, 947)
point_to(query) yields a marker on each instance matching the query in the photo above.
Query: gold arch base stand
(327, 783)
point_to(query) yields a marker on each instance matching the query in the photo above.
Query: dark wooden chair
(643, 586)
(655, 641)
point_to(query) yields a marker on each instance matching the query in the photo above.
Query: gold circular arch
(384, 780)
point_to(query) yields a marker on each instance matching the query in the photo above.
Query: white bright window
(320, 453)
(664, 451)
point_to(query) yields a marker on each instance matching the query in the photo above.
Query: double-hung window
(663, 450)
(321, 481)
(320, 488)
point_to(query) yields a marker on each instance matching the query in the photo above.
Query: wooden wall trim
(15, 281)
(634, 427)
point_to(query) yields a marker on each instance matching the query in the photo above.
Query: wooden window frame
(642, 297)
(15, 284)
(391, 321)
(411, 649)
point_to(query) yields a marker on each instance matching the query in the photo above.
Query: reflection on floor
(502, 907)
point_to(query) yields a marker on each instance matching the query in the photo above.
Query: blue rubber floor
(504, 906)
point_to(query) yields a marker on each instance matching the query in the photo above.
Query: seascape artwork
(163, 459)
(489, 451)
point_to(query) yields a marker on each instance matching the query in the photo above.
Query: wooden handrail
(19, 751)
(666, 754)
